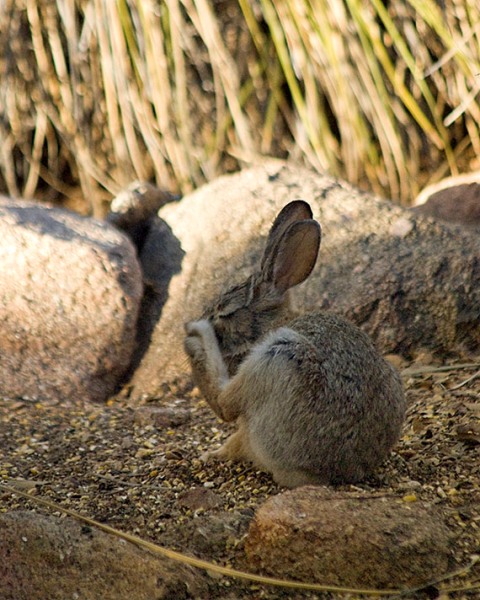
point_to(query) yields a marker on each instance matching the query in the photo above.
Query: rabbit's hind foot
(291, 478)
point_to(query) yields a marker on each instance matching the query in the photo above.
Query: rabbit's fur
(313, 400)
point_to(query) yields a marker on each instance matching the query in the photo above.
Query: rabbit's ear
(297, 210)
(295, 255)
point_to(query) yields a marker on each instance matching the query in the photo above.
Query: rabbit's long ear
(297, 210)
(295, 255)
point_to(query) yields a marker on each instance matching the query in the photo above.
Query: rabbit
(313, 400)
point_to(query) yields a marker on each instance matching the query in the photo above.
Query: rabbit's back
(325, 400)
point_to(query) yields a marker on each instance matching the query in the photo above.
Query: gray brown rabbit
(313, 400)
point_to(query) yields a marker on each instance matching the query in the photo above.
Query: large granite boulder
(407, 280)
(70, 291)
(47, 557)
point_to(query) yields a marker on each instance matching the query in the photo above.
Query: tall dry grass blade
(380, 111)
(224, 70)
(160, 90)
(268, 72)
(384, 94)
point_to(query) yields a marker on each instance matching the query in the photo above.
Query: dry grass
(101, 92)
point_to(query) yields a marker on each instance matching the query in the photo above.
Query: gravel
(138, 469)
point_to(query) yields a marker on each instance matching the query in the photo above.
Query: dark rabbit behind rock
(313, 400)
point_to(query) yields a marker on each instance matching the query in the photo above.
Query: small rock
(144, 453)
(401, 227)
(411, 484)
(212, 534)
(396, 360)
(134, 207)
(197, 498)
(161, 417)
(337, 538)
(423, 357)
(469, 433)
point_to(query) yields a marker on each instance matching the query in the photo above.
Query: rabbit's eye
(227, 311)
(220, 326)
(221, 323)
(233, 300)
(228, 323)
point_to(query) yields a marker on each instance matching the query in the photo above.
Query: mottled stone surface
(70, 292)
(47, 557)
(406, 280)
(335, 538)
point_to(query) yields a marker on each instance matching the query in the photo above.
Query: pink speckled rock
(70, 289)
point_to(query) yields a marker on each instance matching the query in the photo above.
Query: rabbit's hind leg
(292, 478)
(236, 448)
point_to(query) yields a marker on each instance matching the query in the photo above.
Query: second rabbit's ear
(295, 255)
(297, 210)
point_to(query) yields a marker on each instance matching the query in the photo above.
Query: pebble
(162, 417)
(200, 498)
(401, 227)
(396, 360)
(409, 485)
(441, 493)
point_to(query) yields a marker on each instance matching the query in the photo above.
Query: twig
(474, 376)
(465, 393)
(434, 582)
(467, 588)
(411, 371)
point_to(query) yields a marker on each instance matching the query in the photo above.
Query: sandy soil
(138, 469)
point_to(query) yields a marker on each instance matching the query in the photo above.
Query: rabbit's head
(246, 311)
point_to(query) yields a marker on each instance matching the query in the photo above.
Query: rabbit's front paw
(208, 369)
(200, 336)
(198, 328)
(195, 349)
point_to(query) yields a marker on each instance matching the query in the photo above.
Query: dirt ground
(138, 469)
